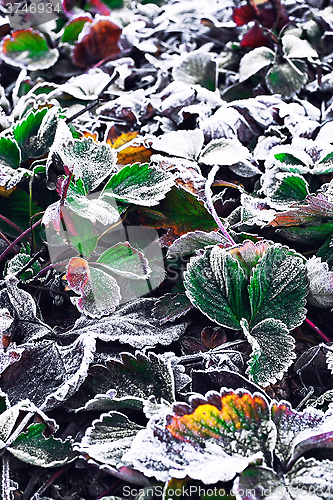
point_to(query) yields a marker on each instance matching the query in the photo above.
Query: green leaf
(10, 154)
(197, 67)
(182, 212)
(324, 166)
(272, 350)
(216, 284)
(27, 49)
(139, 184)
(126, 261)
(289, 189)
(286, 78)
(19, 261)
(108, 438)
(90, 160)
(73, 28)
(223, 152)
(170, 307)
(290, 163)
(27, 135)
(278, 288)
(93, 209)
(133, 378)
(79, 232)
(255, 60)
(34, 448)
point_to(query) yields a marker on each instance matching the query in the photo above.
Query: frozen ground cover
(166, 249)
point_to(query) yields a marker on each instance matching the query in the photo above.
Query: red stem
(317, 330)
(18, 239)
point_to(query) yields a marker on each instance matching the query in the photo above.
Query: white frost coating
(86, 87)
(183, 143)
(224, 152)
(161, 460)
(22, 301)
(320, 283)
(70, 386)
(131, 324)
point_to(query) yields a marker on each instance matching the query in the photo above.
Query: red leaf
(100, 42)
(255, 37)
(243, 15)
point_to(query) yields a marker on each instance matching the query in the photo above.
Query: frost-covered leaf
(187, 173)
(183, 143)
(215, 440)
(216, 284)
(288, 159)
(197, 67)
(27, 49)
(90, 160)
(314, 208)
(278, 288)
(170, 307)
(195, 240)
(108, 438)
(258, 481)
(98, 290)
(286, 78)
(125, 260)
(22, 308)
(139, 184)
(17, 263)
(248, 254)
(272, 350)
(223, 152)
(307, 478)
(93, 209)
(320, 283)
(47, 372)
(132, 324)
(289, 189)
(290, 424)
(10, 153)
(294, 47)
(34, 448)
(35, 132)
(73, 28)
(141, 376)
(254, 61)
(324, 166)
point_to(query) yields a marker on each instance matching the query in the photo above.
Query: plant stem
(18, 239)
(317, 330)
(5, 490)
(210, 204)
(49, 481)
(12, 224)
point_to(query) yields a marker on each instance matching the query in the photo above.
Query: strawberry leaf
(73, 28)
(99, 292)
(216, 284)
(223, 152)
(286, 78)
(126, 261)
(278, 288)
(10, 154)
(34, 448)
(252, 62)
(272, 350)
(27, 49)
(139, 184)
(115, 432)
